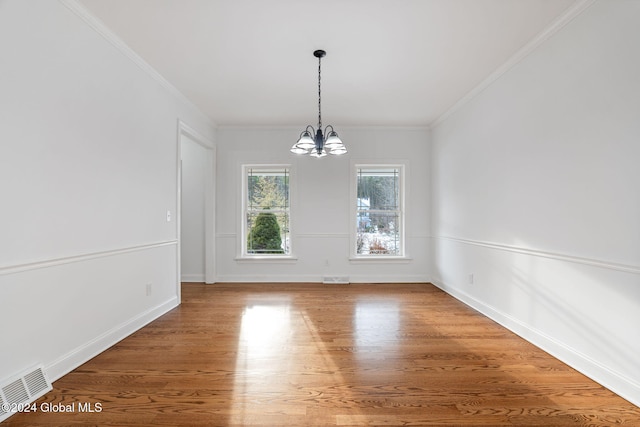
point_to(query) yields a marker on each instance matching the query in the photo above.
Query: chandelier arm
(326, 130)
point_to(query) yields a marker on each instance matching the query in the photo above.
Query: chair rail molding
(627, 268)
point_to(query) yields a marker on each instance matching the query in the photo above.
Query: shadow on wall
(593, 306)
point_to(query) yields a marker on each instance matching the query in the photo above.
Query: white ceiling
(388, 63)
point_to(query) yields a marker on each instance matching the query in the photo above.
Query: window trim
(354, 257)
(243, 254)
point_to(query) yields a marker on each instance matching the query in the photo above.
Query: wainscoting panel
(74, 308)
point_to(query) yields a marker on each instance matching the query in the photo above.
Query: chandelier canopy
(315, 142)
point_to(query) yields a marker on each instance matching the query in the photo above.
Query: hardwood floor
(323, 355)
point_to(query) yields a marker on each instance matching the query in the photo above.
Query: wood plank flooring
(326, 355)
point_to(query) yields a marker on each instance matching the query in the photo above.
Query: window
(266, 230)
(379, 211)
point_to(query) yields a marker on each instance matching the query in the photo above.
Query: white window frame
(402, 255)
(244, 210)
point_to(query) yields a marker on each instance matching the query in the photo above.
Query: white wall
(320, 193)
(535, 193)
(88, 171)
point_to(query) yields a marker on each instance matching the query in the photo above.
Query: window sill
(276, 259)
(381, 259)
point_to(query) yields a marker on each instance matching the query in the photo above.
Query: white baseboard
(609, 378)
(86, 352)
(267, 278)
(319, 278)
(192, 278)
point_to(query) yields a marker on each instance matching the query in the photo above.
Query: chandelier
(315, 142)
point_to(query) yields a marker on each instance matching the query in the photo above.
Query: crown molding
(100, 28)
(559, 23)
(200, 139)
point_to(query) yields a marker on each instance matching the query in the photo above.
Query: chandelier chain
(319, 95)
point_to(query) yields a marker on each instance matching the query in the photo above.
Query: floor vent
(335, 280)
(22, 390)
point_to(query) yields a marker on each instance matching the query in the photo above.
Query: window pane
(378, 189)
(378, 233)
(267, 189)
(267, 211)
(268, 233)
(378, 211)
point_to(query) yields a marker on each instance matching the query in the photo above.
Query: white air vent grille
(36, 382)
(21, 390)
(15, 392)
